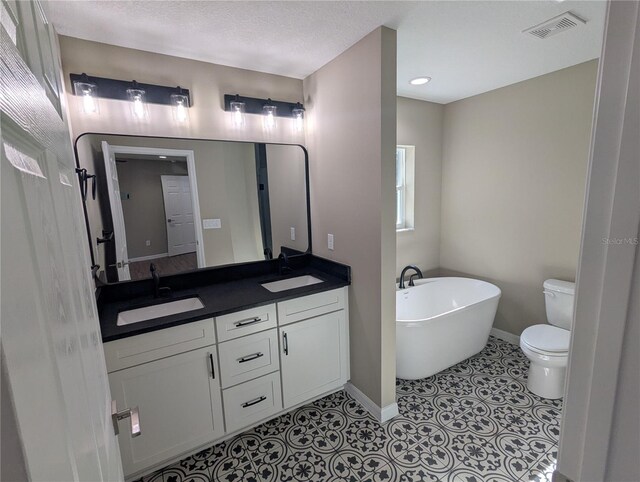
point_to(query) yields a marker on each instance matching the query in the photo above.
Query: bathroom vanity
(237, 321)
(248, 355)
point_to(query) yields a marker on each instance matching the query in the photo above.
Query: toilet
(547, 346)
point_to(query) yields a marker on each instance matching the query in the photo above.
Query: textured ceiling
(466, 47)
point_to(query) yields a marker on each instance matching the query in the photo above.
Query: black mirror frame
(95, 267)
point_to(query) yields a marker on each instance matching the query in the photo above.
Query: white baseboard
(150, 257)
(380, 414)
(506, 336)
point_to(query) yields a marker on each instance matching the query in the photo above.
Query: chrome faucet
(404, 270)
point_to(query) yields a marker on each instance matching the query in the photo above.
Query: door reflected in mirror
(185, 204)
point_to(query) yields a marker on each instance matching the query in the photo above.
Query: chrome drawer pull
(250, 357)
(250, 321)
(254, 402)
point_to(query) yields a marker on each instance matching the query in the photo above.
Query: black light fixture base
(117, 89)
(254, 105)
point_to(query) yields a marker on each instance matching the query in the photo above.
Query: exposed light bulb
(138, 108)
(237, 112)
(180, 103)
(270, 120)
(298, 117)
(89, 94)
(269, 112)
(89, 104)
(138, 104)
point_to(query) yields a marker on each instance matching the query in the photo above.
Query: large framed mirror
(185, 204)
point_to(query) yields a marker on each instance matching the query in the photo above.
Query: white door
(117, 215)
(53, 363)
(178, 208)
(180, 406)
(311, 357)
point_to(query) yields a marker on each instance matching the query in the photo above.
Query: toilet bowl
(547, 346)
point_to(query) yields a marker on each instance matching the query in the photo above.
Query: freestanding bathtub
(440, 322)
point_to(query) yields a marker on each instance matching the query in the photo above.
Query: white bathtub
(440, 322)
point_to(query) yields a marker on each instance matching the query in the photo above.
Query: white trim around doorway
(191, 171)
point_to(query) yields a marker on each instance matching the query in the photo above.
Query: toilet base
(546, 382)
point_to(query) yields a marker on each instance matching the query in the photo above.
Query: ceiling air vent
(555, 25)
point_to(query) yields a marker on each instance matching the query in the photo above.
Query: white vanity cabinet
(177, 392)
(314, 345)
(179, 404)
(257, 362)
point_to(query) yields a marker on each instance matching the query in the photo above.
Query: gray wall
(144, 214)
(420, 125)
(513, 184)
(351, 135)
(622, 463)
(287, 190)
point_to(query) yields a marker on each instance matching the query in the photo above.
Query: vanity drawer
(252, 401)
(310, 306)
(246, 322)
(135, 350)
(248, 357)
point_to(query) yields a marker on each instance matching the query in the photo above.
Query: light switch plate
(211, 224)
(293, 234)
(330, 241)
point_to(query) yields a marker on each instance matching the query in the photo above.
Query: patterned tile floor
(474, 422)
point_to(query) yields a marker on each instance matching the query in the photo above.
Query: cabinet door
(313, 357)
(179, 403)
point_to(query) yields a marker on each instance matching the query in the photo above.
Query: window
(401, 165)
(404, 187)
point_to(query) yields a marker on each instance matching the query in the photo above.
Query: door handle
(168, 220)
(133, 414)
(120, 264)
(285, 343)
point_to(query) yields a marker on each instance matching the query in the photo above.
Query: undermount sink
(291, 283)
(158, 311)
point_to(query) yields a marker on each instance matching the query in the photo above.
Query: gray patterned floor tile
(543, 469)
(520, 453)
(295, 466)
(431, 455)
(350, 465)
(176, 473)
(152, 477)
(415, 474)
(462, 473)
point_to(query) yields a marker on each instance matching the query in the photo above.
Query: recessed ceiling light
(419, 80)
(162, 157)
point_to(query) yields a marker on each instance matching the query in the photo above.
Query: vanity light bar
(117, 89)
(253, 105)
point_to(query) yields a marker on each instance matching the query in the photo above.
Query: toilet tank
(558, 298)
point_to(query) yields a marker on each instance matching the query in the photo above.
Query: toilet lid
(547, 338)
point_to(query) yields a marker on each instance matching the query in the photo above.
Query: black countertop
(221, 290)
